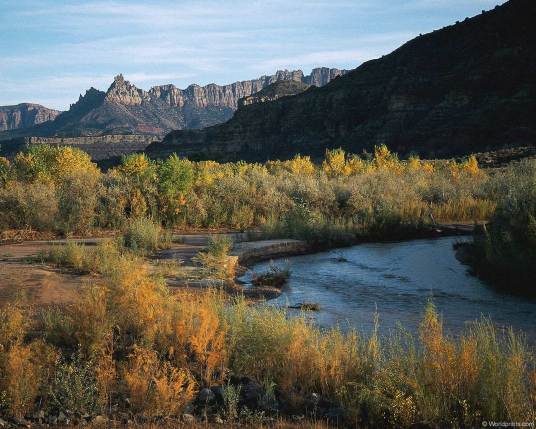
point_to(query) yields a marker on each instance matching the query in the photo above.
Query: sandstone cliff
(466, 88)
(24, 115)
(126, 109)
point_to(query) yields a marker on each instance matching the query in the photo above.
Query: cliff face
(322, 76)
(226, 96)
(466, 88)
(126, 109)
(24, 115)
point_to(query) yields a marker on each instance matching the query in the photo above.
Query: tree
(175, 179)
(335, 162)
(44, 163)
(5, 170)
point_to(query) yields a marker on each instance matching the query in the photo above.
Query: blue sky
(51, 51)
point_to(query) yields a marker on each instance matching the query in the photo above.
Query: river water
(396, 280)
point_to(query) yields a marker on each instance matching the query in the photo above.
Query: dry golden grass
(156, 388)
(157, 349)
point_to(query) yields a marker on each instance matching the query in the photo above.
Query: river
(396, 279)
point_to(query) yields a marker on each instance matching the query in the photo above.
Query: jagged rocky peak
(91, 93)
(123, 92)
(296, 75)
(92, 98)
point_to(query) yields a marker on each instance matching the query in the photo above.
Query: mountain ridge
(126, 109)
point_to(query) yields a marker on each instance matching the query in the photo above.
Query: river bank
(49, 285)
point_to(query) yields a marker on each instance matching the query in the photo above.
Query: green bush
(77, 201)
(144, 236)
(25, 205)
(71, 255)
(73, 387)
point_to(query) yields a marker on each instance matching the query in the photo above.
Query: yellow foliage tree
(334, 163)
(71, 161)
(137, 165)
(53, 164)
(356, 165)
(301, 165)
(470, 166)
(385, 159)
(207, 172)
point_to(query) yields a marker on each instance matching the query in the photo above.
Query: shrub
(5, 170)
(90, 320)
(275, 277)
(77, 202)
(215, 260)
(156, 388)
(14, 323)
(231, 399)
(70, 255)
(144, 236)
(28, 206)
(73, 386)
(505, 251)
(198, 336)
(22, 377)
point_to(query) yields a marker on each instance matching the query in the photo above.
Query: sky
(52, 50)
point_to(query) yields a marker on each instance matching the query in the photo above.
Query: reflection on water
(397, 279)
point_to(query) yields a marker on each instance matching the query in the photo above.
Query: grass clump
(144, 236)
(216, 262)
(71, 255)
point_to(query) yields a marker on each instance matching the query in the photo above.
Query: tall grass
(132, 339)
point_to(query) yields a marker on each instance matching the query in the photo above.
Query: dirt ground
(41, 284)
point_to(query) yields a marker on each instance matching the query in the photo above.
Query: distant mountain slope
(125, 109)
(275, 91)
(465, 88)
(24, 115)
